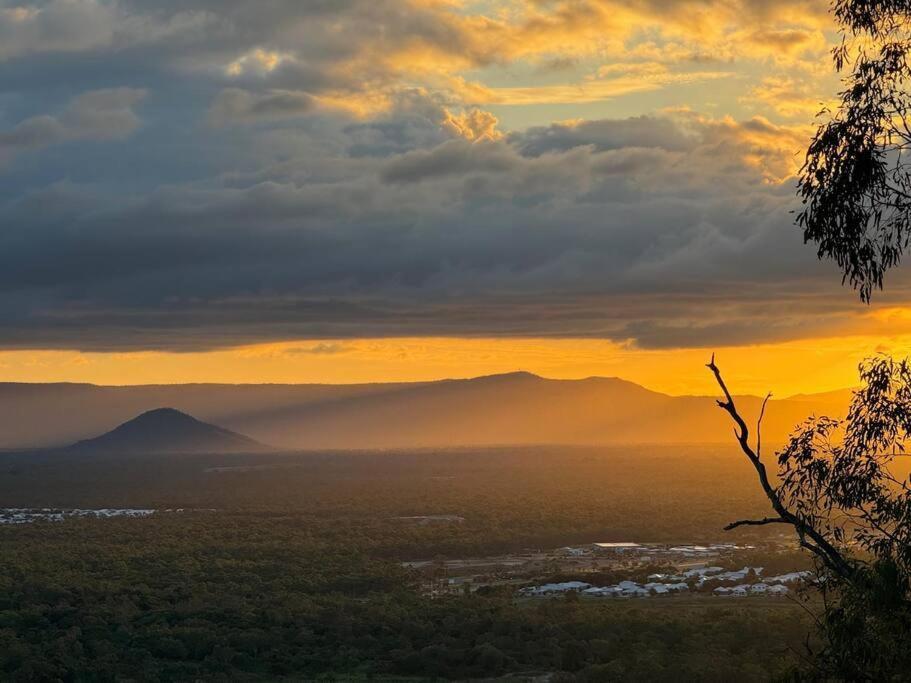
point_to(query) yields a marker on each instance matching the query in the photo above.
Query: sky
(390, 190)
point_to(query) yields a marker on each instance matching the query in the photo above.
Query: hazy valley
(511, 409)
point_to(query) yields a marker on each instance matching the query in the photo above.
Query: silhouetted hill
(166, 430)
(515, 408)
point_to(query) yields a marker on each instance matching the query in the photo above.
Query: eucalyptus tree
(841, 484)
(856, 182)
(838, 486)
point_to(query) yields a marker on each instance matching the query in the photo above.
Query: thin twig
(765, 402)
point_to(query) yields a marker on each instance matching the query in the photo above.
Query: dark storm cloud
(459, 238)
(238, 199)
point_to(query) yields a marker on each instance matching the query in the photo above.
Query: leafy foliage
(856, 182)
(844, 488)
(839, 477)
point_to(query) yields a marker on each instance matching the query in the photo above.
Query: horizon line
(440, 380)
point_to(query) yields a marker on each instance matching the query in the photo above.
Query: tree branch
(765, 402)
(818, 544)
(756, 522)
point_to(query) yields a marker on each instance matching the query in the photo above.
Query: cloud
(474, 124)
(456, 158)
(358, 168)
(787, 40)
(321, 349)
(586, 91)
(361, 52)
(234, 105)
(640, 131)
(787, 97)
(658, 231)
(56, 26)
(96, 115)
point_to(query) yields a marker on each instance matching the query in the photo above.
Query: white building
(738, 575)
(552, 588)
(602, 591)
(793, 577)
(637, 592)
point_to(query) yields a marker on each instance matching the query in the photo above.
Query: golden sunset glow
(798, 367)
(455, 340)
(425, 189)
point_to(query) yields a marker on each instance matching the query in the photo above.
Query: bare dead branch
(808, 536)
(765, 402)
(756, 522)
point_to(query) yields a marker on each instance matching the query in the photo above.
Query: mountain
(515, 408)
(166, 430)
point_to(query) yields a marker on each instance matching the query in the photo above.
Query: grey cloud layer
(96, 115)
(228, 209)
(666, 240)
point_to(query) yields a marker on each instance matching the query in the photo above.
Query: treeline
(509, 498)
(227, 597)
(297, 573)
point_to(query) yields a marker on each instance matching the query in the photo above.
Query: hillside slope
(165, 430)
(516, 408)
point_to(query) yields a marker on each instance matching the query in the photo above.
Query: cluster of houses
(703, 575)
(631, 589)
(29, 515)
(650, 551)
(773, 585)
(624, 589)
(746, 589)
(660, 584)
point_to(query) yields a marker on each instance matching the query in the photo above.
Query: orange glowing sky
(786, 369)
(392, 190)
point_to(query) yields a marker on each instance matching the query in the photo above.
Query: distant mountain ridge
(166, 430)
(509, 409)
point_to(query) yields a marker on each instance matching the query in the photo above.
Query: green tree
(838, 484)
(839, 487)
(856, 182)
